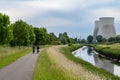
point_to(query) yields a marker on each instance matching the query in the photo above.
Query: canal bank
(90, 55)
(101, 72)
(111, 52)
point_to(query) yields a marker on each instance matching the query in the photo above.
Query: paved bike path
(21, 69)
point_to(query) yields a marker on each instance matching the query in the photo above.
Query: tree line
(21, 33)
(101, 39)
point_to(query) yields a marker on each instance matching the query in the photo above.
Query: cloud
(57, 5)
(67, 14)
(17, 11)
(105, 12)
(57, 22)
(20, 9)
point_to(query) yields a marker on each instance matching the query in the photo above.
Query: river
(90, 55)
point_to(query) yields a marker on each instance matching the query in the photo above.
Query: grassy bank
(53, 65)
(46, 69)
(112, 51)
(10, 54)
(108, 76)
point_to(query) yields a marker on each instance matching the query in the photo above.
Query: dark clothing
(38, 49)
(33, 49)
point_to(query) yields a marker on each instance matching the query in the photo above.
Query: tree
(90, 39)
(37, 34)
(76, 40)
(99, 38)
(53, 39)
(83, 41)
(71, 40)
(21, 33)
(79, 40)
(118, 38)
(111, 39)
(5, 29)
(104, 40)
(60, 35)
(31, 35)
(42, 37)
(64, 38)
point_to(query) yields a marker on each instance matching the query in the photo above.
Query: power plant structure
(104, 27)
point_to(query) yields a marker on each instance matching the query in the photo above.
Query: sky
(76, 17)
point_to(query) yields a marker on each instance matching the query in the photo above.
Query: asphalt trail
(21, 69)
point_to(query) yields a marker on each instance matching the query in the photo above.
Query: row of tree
(101, 39)
(21, 33)
(114, 39)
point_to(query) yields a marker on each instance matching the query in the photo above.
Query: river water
(88, 54)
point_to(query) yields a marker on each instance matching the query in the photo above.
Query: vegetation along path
(67, 69)
(78, 72)
(22, 69)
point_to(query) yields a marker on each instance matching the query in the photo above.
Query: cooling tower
(104, 27)
(107, 28)
(97, 25)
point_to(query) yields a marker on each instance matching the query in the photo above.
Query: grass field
(10, 54)
(112, 50)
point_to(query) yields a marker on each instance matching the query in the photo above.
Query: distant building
(104, 27)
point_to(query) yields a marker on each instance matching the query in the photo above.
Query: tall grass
(67, 52)
(10, 54)
(46, 69)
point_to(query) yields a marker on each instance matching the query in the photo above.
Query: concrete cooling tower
(97, 25)
(104, 27)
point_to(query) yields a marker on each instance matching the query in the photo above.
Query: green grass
(46, 69)
(112, 51)
(67, 52)
(10, 54)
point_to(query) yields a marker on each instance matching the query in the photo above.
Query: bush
(70, 44)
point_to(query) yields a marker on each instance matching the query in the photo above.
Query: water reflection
(105, 64)
(88, 54)
(89, 51)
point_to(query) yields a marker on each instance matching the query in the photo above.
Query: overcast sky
(73, 16)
